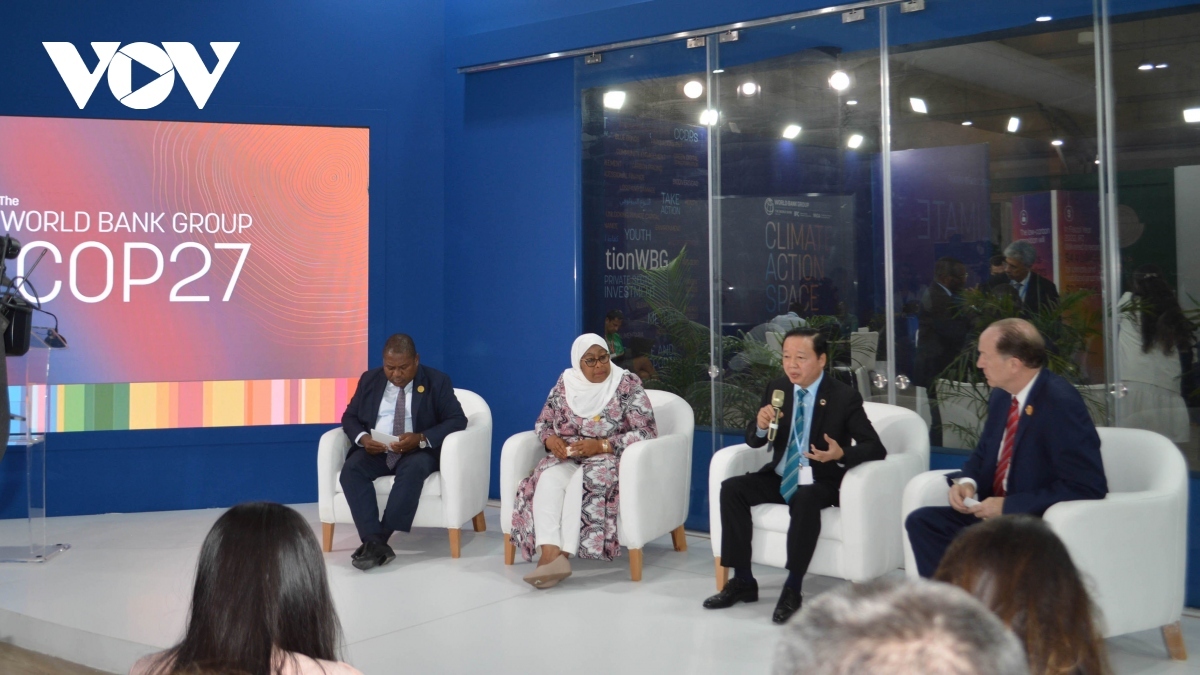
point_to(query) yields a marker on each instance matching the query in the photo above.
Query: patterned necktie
(795, 454)
(397, 427)
(1006, 449)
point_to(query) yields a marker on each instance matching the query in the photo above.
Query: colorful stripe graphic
(176, 405)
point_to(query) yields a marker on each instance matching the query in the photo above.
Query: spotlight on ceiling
(718, 71)
(1191, 115)
(708, 117)
(1161, 66)
(967, 123)
(613, 100)
(854, 141)
(749, 89)
(918, 105)
(693, 89)
(1044, 18)
(839, 80)
(1056, 142)
(1146, 65)
(852, 102)
(791, 131)
(1014, 123)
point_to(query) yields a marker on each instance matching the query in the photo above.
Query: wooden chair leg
(479, 523)
(510, 550)
(722, 575)
(455, 542)
(327, 537)
(635, 564)
(679, 538)
(1173, 639)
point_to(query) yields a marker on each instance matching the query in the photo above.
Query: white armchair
(450, 497)
(1130, 546)
(860, 540)
(655, 479)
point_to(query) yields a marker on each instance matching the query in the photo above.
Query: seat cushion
(776, 518)
(383, 485)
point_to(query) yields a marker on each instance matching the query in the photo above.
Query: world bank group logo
(769, 206)
(1070, 214)
(1024, 217)
(163, 62)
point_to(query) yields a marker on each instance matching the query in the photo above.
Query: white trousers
(558, 507)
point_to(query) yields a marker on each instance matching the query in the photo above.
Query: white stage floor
(123, 591)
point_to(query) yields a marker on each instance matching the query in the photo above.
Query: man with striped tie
(1037, 448)
(414, 403)
(818, 419)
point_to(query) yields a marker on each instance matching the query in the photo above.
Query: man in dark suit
(812, 452)
(943, 331)
(1038, 446)
(1036, 292)
(402, 398)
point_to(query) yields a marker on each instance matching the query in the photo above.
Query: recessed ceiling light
(791, 131)
(854, 141)
(1044, 18)
(709, 117)
(693, 89)
(1161, 66)
(839, 80)
(1056, 142)
(852, 102)
(613, 100)
(1014, 123)
(749, 89)
(967, 123)
(1191, 115)
(918, 105)
(1146, 65)
(718, 71)
(555, 55)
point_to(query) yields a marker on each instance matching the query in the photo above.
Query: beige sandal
(548, 575)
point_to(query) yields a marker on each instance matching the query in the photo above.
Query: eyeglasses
(591, 363)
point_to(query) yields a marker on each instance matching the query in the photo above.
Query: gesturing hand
(833, 454)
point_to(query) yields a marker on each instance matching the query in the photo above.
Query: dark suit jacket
(839, 413)
(435, 411)
(1040, 293)
(943, 334)
(1056, 453)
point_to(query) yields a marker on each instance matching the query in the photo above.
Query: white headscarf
(587, 398)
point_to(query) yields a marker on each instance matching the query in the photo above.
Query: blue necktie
(393, 458)
(795, 454)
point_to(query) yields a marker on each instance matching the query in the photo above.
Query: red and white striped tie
(1006, 449)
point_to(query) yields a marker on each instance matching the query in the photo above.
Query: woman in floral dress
(594, 412)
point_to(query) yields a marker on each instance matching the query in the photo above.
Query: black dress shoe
(374, 555)
(735, 591)
(789, 604)
(358, 551)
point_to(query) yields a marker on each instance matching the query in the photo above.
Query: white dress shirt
(387, 410)
(1021, 397)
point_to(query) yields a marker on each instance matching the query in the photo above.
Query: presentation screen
(203, 274)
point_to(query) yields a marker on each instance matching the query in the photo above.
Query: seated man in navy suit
(414, 403)
(1038, 446)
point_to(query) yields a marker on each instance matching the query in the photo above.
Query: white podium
(29, 403)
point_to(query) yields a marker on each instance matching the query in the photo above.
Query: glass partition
(800, 232)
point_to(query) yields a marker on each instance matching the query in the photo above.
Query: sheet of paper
(386, 439)
(806, 475)
(969, 502)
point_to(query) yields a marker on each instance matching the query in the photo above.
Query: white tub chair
(1130, 546)
(655, 480)
(450, 497)
(860, 540)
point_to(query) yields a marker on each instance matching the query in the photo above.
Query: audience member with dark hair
(823, 432)
(907, 628)
(1152, 336)
(261, 604)
(1037, 448)
(1022, 571)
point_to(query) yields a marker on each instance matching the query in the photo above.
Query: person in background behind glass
(639, 363)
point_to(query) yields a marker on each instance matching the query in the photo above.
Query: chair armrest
(1139, 584)
(653, 480)
(926, 489)
(735, 460)
(331, 455)
(870, 499)
(466, 470)
(518, 457)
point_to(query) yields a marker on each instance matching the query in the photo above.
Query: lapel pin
(1028, 410)
(420, 389)
(822, 401)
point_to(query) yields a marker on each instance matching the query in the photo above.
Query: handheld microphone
(776, 403)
